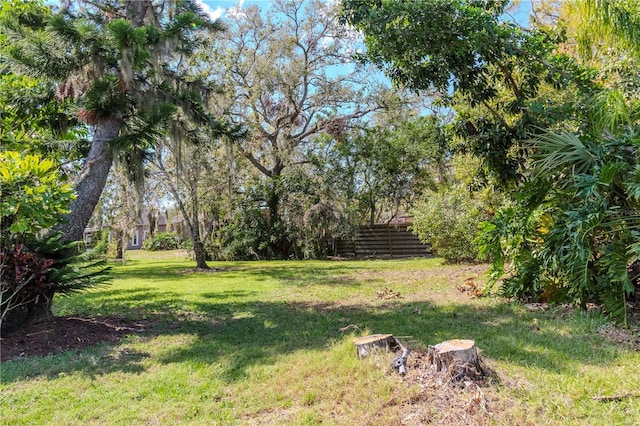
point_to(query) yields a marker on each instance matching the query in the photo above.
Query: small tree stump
(368, 344)
(459, 359)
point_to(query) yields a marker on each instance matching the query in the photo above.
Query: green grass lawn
(271, 343)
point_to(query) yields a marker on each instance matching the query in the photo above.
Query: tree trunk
(458, 359)
(41, 311)
(273, 202)
(280, 245)
(153, 221)
(90, 184)
(201, 254)
(372, 206)
(191, 221)
(198, 246)
(91, 181)
(367, 345)
(29, 313)
(124, 241)
(194, 227)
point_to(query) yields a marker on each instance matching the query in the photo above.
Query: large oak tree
(290, 76)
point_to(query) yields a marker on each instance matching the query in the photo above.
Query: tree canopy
(275, 130)
(548, 108)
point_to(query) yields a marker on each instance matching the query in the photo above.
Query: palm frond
(612, 172)
(615, 284)
(141, 136)
(78, 276)
(615, 301)
(609, 112)
(561, 153)
(73, 270)
(633, 190)
(617, 22)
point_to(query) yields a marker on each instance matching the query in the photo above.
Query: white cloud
(327, 41)
(213, 14)
(236, 11)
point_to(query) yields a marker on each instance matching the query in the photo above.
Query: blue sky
(217, 8)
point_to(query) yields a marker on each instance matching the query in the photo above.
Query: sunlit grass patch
(272, 343)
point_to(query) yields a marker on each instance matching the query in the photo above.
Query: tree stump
(459, 359)
(366, 345)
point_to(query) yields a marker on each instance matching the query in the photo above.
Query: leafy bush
(245, 237)
(162, 241)
(321, 223)
(448, 221)
(101, 247)
(34, 264)
(114, 248)
(32, 273)
(33, 197)
(24, 279)
(573, 233)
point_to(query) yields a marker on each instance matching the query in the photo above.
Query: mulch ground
(63, 334)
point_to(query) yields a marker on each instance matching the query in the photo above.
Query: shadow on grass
(298, 272)
(289, 272)
(240, 334)
(256, 333)
(133, 270)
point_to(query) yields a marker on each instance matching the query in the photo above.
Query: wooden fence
(382, 241)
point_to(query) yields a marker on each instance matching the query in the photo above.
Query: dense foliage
(488, 68)
(277, 136)
(32, 196)
(573, 231)
(162, 241)
(34, 264)
(556, 124)
(119, 64)
(449, 220)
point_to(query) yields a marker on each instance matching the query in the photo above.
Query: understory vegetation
(271, 343)
(262, 140)
(501, 131)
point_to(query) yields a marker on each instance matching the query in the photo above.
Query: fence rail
(383, 241)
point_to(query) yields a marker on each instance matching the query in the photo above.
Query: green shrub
(321, 222)
(246, 237)
(101, 245)
(162, 241)
(572, 233)
(33, 198)
(448, 221)
(34, 264)
(100, 249)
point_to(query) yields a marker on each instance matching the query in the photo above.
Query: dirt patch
(63, 334)
(454, 283)
(624, 336)
(439, 399)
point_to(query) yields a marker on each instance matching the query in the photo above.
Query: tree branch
(509, 77)
(258, 165)
(493, 111)
(547, 64)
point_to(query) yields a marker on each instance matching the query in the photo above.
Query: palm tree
(120, 62)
